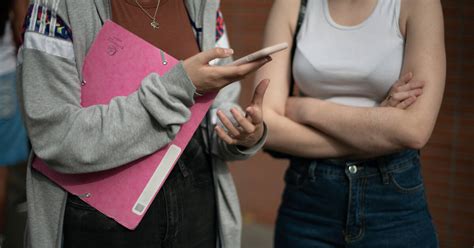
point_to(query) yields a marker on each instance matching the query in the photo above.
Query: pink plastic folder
(115, 65)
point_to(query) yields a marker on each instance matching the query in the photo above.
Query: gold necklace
(154, 24)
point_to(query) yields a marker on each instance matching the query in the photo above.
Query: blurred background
(448, 159)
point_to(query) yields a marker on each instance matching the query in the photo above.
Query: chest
(165, 24)
(360, 61)
(373, 58)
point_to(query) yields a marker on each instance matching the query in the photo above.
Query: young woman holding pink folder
(198, 205)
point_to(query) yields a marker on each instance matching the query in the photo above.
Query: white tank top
(351, 65)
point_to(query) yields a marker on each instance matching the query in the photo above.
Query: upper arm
(425, 57)
(279, 28)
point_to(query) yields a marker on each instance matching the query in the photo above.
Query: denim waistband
(361, 168)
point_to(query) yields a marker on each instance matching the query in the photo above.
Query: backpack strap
(293, 48)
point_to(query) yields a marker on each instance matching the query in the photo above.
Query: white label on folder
(156, 179)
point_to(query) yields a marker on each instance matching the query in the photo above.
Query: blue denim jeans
(183, 214)
(372, 203)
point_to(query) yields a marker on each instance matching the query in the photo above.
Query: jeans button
(353, 169)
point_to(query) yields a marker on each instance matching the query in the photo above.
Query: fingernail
(229, 51)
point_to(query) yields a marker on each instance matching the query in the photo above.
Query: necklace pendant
(154, 24)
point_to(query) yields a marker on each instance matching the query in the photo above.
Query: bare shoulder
(416, 7)
(287, 5)
(419, 10)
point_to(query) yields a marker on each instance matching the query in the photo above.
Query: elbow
(63, 160)
(417, 143)
(418, 138)
(415, 131)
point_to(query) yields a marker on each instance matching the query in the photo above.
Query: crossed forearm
(290, 137)
(375, 130)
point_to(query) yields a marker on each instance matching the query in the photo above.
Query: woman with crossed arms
(355, 179)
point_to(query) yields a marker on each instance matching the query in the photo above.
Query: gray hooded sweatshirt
(72, 139)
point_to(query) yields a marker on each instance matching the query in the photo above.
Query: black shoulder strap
(293, 48)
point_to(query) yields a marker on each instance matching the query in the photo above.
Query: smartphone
(261, 54)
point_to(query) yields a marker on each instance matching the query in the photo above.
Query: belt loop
(312, 169)
(383, 171)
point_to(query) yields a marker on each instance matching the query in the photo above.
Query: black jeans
(183, 214)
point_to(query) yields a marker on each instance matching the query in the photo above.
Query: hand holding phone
(261, 54)
(206, 77)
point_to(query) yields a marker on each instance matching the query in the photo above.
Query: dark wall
(448, 159)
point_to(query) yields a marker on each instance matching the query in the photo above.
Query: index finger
(257, 98)
(240, 71)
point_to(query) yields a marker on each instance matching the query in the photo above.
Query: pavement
(257, 236)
